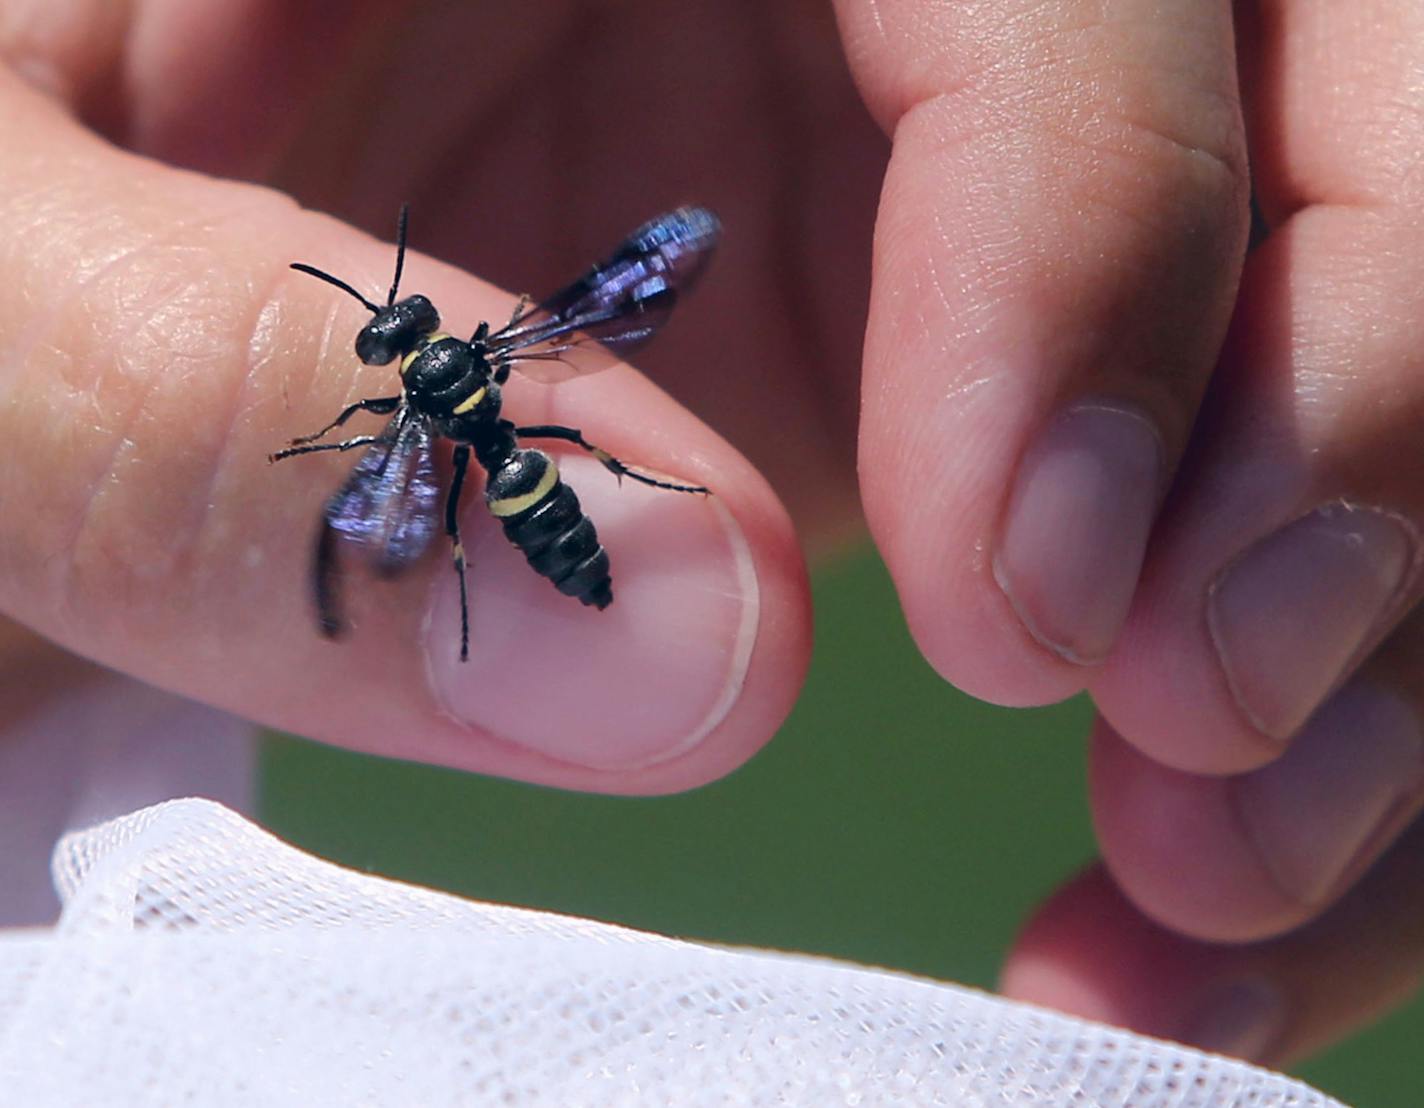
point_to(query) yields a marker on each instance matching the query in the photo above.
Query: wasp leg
(452, 528)
(503, 366)
(381, 405)
(610, 463)
(483, 330)
(349, 444)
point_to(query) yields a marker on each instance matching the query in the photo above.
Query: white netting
(201, 961)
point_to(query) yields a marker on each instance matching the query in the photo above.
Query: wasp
(450, 388)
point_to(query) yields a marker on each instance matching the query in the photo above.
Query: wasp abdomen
(542, 517)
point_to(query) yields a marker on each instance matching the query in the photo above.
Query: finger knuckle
(146, 372)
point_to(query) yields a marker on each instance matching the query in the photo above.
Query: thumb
(156, 349)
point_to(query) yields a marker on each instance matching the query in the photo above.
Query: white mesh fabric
(201, 961)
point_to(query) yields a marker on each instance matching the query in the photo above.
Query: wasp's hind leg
(380, 405)
(609, 462)
(452, 528)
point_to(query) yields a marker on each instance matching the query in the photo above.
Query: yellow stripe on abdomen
(513, 505)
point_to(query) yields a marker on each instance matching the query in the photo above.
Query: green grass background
(893, 821)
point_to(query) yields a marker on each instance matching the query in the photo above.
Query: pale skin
(1061, 328)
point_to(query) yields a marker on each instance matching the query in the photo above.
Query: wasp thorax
(441, 376)
(396, 330)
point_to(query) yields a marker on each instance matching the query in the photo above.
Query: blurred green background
(893, 821)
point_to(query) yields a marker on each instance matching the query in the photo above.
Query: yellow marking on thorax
(429, 340)
(470, 401)
(513, 505)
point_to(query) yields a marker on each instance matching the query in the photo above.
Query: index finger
(1057, 250)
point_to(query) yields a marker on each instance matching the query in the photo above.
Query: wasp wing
(614, 308)
(386, 507)
(387, 503)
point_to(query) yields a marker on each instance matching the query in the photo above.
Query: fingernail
(1077, 526)
(640, 682)
(1244, 1019)
(1291, 613)
(1314, 810)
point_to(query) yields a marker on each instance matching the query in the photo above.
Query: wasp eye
(376, 346)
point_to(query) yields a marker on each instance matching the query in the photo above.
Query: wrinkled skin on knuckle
(129, 395)
(1132, 237)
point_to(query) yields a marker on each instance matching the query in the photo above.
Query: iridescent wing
(616, 307)
(386, 507)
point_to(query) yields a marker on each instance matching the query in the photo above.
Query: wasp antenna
(302, 267)
(400, 252)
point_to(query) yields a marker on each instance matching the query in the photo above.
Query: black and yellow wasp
(450, 388)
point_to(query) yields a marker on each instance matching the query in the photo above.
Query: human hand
(1062, 220)
(1099, 451)
(162, 350)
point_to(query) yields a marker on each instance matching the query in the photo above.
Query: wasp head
(396, 329)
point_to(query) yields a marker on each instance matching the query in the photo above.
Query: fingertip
(1033, 358)
(1090, 952)
(1179, 849)
(675, 684)
(751, 564)
(651, 676)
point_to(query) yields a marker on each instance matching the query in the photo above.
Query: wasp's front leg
(380, 405)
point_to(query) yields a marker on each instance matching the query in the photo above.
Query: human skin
(1099, 445)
